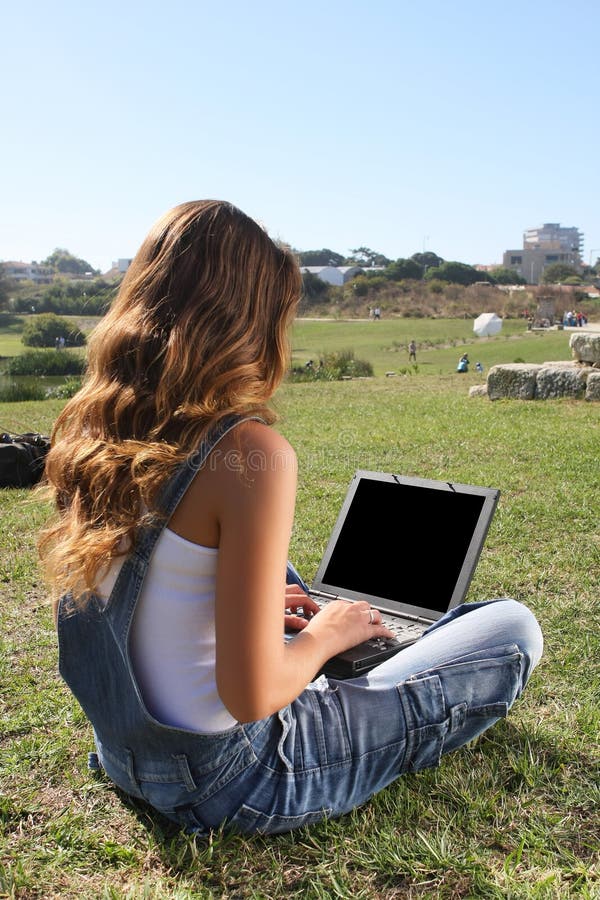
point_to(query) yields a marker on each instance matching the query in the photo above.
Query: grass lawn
(11, 327)
(514, 815)
(440, 343)
(10, 334)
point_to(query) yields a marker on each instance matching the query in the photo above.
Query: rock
(585, 347)
(515, 381)
(562, 362)
(592, 391)
(560, 381)
(478, 390)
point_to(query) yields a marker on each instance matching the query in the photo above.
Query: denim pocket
(249, 821)
(426, 721)
(447, 707)
(312, 732)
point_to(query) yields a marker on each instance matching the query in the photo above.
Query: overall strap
(175, 488)
(121, 604)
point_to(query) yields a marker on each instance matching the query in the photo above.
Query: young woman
(175, 502)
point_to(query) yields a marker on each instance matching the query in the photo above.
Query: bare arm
(257, 672)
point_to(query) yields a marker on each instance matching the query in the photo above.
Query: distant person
(412, 352)
(168, 554)
(376, 313)
(479, 367)
(463, 364)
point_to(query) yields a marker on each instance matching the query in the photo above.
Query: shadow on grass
(517, 758)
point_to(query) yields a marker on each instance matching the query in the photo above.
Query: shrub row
(45, 362)
(16, 393)
(333, 367)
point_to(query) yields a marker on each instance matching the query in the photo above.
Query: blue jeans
(340, 742)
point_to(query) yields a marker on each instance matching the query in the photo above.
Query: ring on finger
(371, 616)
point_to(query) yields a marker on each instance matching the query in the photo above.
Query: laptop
(409, 547)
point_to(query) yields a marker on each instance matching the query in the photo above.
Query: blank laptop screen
(404, 543)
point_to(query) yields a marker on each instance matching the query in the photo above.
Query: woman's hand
(295, 599)
(341, 624)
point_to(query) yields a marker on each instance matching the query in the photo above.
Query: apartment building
(21, 271)
(542, 246)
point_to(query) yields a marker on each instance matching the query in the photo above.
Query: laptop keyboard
(402, 629)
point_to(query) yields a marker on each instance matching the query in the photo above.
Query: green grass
(10, 334)
(440, 343)
(11, 327)
(514, 815)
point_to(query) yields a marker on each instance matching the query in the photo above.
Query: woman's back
(172, 640)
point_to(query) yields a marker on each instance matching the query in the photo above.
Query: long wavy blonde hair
(198, 330)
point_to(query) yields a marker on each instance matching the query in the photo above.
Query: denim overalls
(329, 750)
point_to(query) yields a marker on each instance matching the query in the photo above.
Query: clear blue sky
(396, 125)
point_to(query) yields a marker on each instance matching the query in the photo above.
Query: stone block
(592, 391)
(560, 381)
(478, 390)
(585, 347)
(514, 381)
(561, 362)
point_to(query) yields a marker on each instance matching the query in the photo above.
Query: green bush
(64, 391)
(46, 329)
(343, 363)
(333, 367)
(15, 393)
(45, 362)
(436, 286)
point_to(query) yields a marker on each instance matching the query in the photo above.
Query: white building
(544, 246)
(337, 275)
(551, 233)
(21, 271)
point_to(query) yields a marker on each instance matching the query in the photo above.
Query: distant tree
(502, 275)
(4, 288)
(365, 257)
(402, 269)
(45, 329)
(455, 273)
(323, 257)
(558, 272)
(65, 263)
(427, 260)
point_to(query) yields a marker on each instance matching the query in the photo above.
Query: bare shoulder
(256, 465)
(253, 455)
(262, 448)
(251, 462)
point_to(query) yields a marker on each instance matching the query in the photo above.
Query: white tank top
(172, 641)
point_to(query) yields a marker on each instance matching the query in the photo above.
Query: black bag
(22, 459)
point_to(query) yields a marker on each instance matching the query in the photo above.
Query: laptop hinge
(421, 620)
(326, 595)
